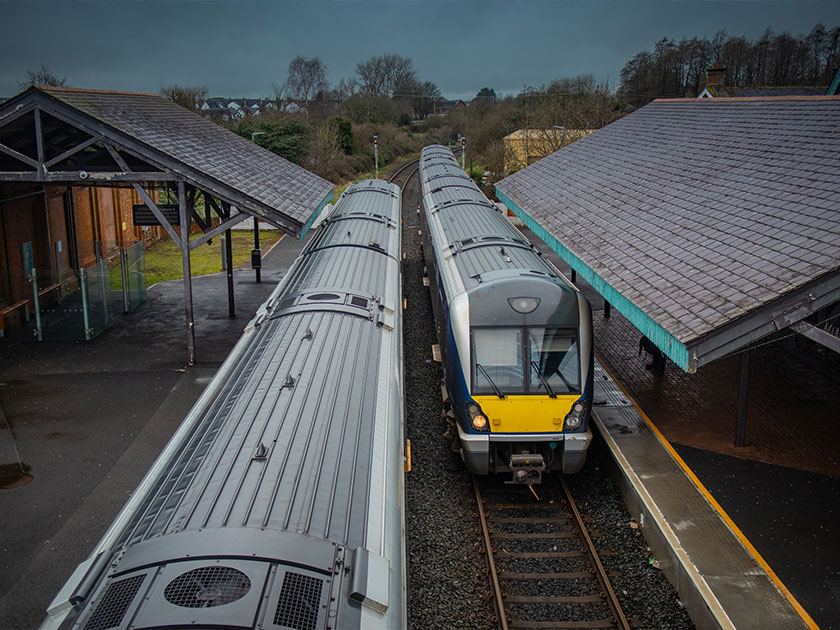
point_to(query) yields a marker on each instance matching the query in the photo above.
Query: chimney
(716, 76)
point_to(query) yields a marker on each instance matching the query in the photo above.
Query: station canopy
(76, 137)
(707, 223)
(95, 137)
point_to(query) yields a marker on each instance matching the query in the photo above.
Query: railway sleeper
(563, 625)
(569, 575)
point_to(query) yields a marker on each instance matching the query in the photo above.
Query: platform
(715, 570)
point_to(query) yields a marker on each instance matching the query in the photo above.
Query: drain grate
(300, 598)
(118, 597)
(207, 587)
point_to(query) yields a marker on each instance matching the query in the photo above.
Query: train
(278, 502)
(515, 334)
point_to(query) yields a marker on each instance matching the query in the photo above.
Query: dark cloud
(241, 48)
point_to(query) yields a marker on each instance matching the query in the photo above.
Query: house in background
(444, 107)
(526, 146)
(230, 109)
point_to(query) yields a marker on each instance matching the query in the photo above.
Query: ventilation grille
(207, 587)
(115, 602)
(359, 301)
(300, 599)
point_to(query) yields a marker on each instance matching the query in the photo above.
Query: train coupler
(527, 468)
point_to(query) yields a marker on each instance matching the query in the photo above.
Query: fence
(81, 304)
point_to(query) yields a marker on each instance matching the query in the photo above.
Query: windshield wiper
(487, 376)
(543, 379)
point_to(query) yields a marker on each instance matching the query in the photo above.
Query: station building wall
(65, 228)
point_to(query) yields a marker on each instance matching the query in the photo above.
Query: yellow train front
(515, 334)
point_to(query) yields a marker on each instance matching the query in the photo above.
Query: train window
(554, 361)
(498, 355)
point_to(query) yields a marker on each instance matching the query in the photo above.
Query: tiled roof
(696, 211)
(204, 146)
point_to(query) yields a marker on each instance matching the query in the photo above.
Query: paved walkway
(89, 418)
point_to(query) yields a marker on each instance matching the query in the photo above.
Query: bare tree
(42, 76)
(387, 75)
(347, 88)
(306, 78)
(189, 97)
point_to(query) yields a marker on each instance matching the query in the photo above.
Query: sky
(239, 48)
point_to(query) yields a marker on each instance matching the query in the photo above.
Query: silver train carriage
(277, 503)
(515, 334)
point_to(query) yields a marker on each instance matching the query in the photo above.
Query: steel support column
(184, 245)
(229, 265)
(743, 391)
(257, 244)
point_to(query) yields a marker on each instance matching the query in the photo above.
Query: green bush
(344, 133)
(287, 136)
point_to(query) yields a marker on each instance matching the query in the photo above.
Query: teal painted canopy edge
(666, 342)
(315, 214)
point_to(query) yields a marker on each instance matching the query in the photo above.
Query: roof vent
(207, 587)
(322, 297)
(300, 599)
(118, 597)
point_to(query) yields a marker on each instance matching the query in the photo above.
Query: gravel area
(646, 596)
(447, 583)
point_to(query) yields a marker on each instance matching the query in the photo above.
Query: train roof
(479, 241)
(301, 458)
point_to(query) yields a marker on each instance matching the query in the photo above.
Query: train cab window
(554, 361)
(498, 361)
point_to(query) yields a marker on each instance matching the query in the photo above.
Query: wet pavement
(88, 419)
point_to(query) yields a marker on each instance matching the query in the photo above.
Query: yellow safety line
(726, 518)
(408, 456)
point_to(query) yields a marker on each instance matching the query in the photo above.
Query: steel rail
(491, 562)
(607, 596)
(399, 171)
(601, 574)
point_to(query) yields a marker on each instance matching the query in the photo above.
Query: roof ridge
(748, 98)
(56, 88)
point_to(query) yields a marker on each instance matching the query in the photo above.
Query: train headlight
(574, 417)
(478, 420)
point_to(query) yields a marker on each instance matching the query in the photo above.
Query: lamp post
(464, 152)
(376, 153)
(563, 143)
(256, 254)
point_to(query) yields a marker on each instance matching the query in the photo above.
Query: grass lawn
(163, 259)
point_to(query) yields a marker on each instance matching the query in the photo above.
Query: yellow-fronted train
(515, 334)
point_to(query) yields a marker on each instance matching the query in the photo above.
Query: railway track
(543, 567)
(401, 176)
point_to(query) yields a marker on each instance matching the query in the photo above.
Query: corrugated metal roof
(689, 214)
(204, 146)
(314, 389)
